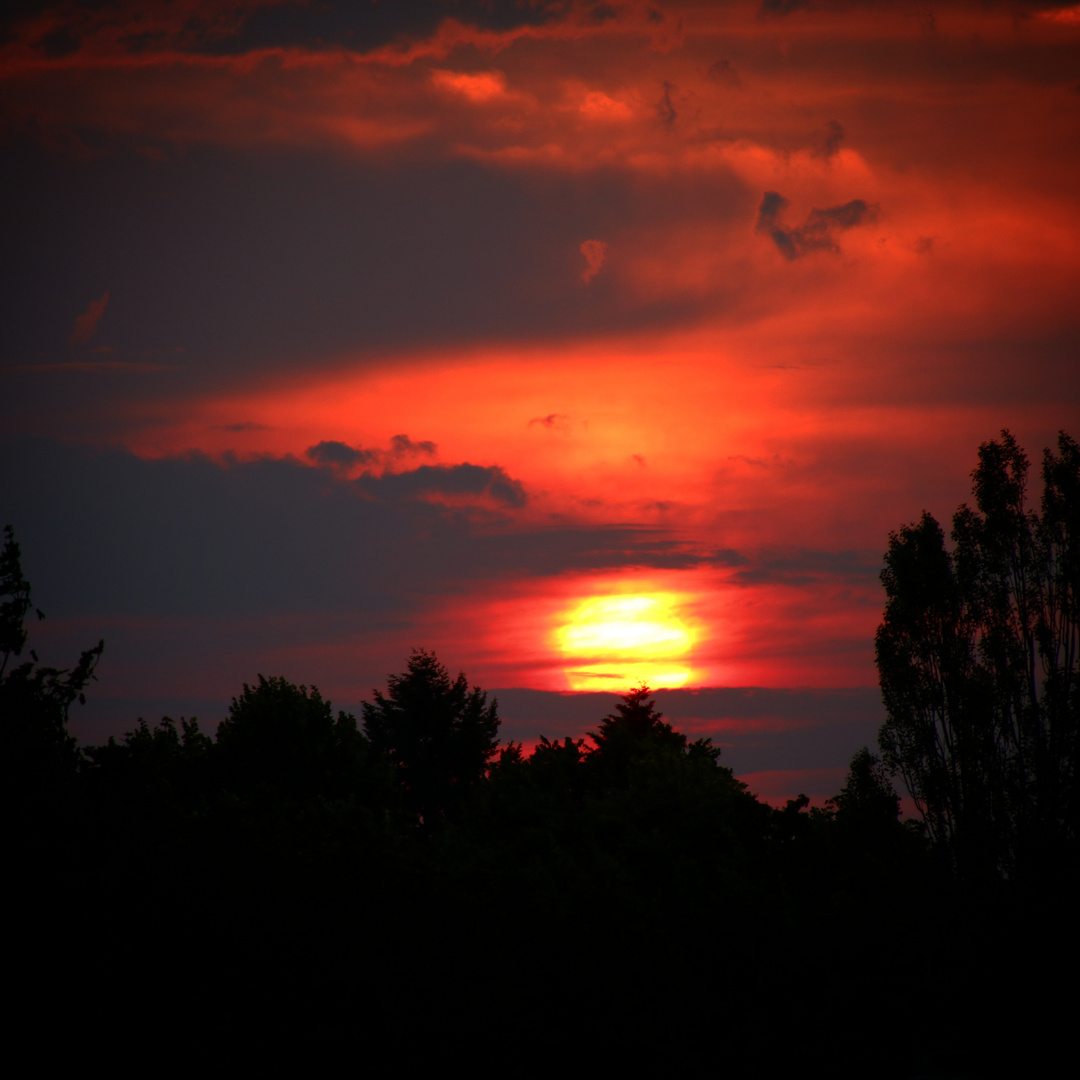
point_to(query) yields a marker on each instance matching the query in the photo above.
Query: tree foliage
(637, 730)
(636, 718)
(440, 733)
(867, 794)
(284, 738)
(979, 662)
(34, 699)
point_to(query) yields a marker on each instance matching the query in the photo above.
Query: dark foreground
(276, 893)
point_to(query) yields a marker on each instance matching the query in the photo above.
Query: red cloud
(477, 87)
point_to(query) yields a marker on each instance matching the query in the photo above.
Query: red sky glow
(375, 329)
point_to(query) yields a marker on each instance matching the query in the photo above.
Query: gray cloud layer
(312, 255)
(107, 532)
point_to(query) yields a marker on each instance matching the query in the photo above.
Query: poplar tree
(979, 663)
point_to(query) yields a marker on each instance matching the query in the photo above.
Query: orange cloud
(595, 105)
(477, 87)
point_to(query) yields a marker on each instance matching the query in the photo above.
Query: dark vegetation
(409, 891)
(979, 659)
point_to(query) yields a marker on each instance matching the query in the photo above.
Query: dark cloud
(773, 204)
(315, 255)
(247, 425)
(818, 232)
(664, 108)
(454, 481)
(232, 29)
(729, 557)
(107, 532)
(559, 549)
(487, 481)
(111, 532)
(331, 452)
(402, 446)
(341, 455)
(59, 43)
(369, 26)
(800, 566)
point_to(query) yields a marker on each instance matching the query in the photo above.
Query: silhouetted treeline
(411, 889)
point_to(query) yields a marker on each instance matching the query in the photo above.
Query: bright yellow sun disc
(615, 642)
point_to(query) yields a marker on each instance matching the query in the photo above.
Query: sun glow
(615, 642)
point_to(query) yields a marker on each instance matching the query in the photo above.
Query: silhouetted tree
(43, 827)
(155, 761)
(285, 739)
(866, 831)
(636, 728)
(636, 717)
(438, 731)
(979, 662)
(151, 774)
(867, 794)
(148, 795)
(35, 700)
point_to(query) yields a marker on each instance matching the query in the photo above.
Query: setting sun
(614, 642)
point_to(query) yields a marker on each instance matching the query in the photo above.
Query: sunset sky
(578, 342)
